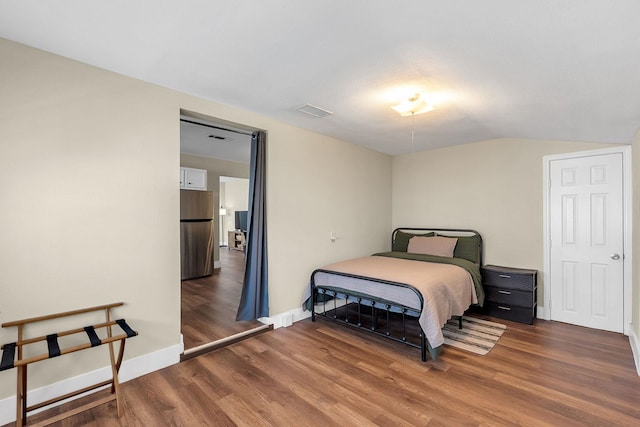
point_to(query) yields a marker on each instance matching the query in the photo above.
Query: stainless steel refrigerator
(196, 234)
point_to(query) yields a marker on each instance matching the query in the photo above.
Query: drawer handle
(504, 292)
(502, 307)
(505, 276)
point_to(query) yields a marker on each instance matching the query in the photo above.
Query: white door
(586, 219)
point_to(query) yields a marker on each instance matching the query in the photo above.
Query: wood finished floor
(323, 374)
(209, 304)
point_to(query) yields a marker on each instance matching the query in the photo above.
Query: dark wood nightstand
(510, 293)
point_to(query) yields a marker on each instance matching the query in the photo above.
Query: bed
(430, 275)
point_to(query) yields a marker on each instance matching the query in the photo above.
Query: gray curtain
(254, 302)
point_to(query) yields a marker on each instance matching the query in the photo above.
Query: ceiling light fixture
(412, 106)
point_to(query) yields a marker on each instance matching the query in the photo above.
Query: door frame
(544, 312)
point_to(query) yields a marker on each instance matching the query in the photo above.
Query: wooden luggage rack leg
(9, 360)
(21, 396)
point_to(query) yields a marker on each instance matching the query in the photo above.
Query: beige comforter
(447, 290)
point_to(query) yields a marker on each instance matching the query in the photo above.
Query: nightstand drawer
(509, 296)
(507, 278)
(510, 312)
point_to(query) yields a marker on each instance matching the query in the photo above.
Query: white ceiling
(544, 69)
(212, 139)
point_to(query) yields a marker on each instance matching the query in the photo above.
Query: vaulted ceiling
(542, 69)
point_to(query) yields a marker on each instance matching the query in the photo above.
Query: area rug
(477, 335)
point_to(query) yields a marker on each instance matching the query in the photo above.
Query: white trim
(285, 319)
(543, 313)
(216, 265)
(131, 368)
(635, 348)
(290, 317)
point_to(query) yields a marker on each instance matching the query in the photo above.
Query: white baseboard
(635, 348)
(541, 312)
(287, 318)
(130, 369)
(283, 320)
(216, 265)
(290, 317)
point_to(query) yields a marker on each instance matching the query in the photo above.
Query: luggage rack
(13, 357)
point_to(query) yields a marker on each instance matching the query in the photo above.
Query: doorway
(587, 268)
(209, 304)
(234, 203)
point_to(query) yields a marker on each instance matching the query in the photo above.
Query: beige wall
(90, 201)
(89, 184)
(215, 169)
(494, 187)
(317, 185)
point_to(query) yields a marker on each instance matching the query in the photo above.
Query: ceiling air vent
(314, 111)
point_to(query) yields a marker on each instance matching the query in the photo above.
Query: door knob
(615, 256)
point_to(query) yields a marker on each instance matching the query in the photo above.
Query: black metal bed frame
(447, 232)
(375, 304)
(330, 293)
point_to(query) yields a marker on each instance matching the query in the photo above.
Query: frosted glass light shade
(412, 106)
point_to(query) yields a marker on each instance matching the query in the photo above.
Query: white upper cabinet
(193, 179)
